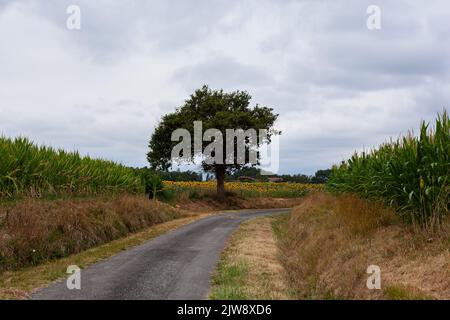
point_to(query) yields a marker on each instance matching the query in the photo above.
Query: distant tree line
(321, 176)
(172, 175)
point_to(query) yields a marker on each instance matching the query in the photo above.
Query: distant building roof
(241, 178)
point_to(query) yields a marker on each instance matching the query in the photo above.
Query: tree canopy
(219, 110)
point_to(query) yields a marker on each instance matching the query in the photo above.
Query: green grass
(401, 293)
(229, 281)
(278, 224)
(412, 174)
(247, 271)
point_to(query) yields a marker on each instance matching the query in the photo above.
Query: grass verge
(328, 242)
(19, 284)
(249, 267)
(33, 231)
(404, 293)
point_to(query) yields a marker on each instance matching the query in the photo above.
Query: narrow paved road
(176, 265)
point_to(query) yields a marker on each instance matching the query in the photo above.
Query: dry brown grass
(208, 204)
(328, 242)
(249, 268)
(19, 284)
(38, 237)
(33, 231)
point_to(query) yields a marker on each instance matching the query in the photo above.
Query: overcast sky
(337, 85)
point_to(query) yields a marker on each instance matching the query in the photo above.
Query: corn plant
(411, 173)
(28, 169)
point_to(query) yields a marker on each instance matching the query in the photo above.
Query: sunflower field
(245, 189)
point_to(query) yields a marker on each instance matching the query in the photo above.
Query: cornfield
(246, 189)
(411, 173)
(30, 170)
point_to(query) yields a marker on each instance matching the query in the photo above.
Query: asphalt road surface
(176, 265)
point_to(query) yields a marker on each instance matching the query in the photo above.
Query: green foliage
(172, 175)
(251, 172)
(28, 169)
(153, 183)
(229, 281)
(411, 173)
(297, 178)
(321, 176)
(402, 293)
(217, 110)
(194, 195)
(180, 175)
(168, 195)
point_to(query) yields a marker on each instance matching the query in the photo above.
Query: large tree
(219, 110)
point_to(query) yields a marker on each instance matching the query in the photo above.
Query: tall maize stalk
(411, 173)
(28, 169)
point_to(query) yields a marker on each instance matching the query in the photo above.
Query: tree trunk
(220, 176)
(155, 189)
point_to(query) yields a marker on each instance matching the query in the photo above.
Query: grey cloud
(119, 131)
(337, 86)
(5, 3)
(222, 72)
(113, 29)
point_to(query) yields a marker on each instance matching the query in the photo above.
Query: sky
(337, 85)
